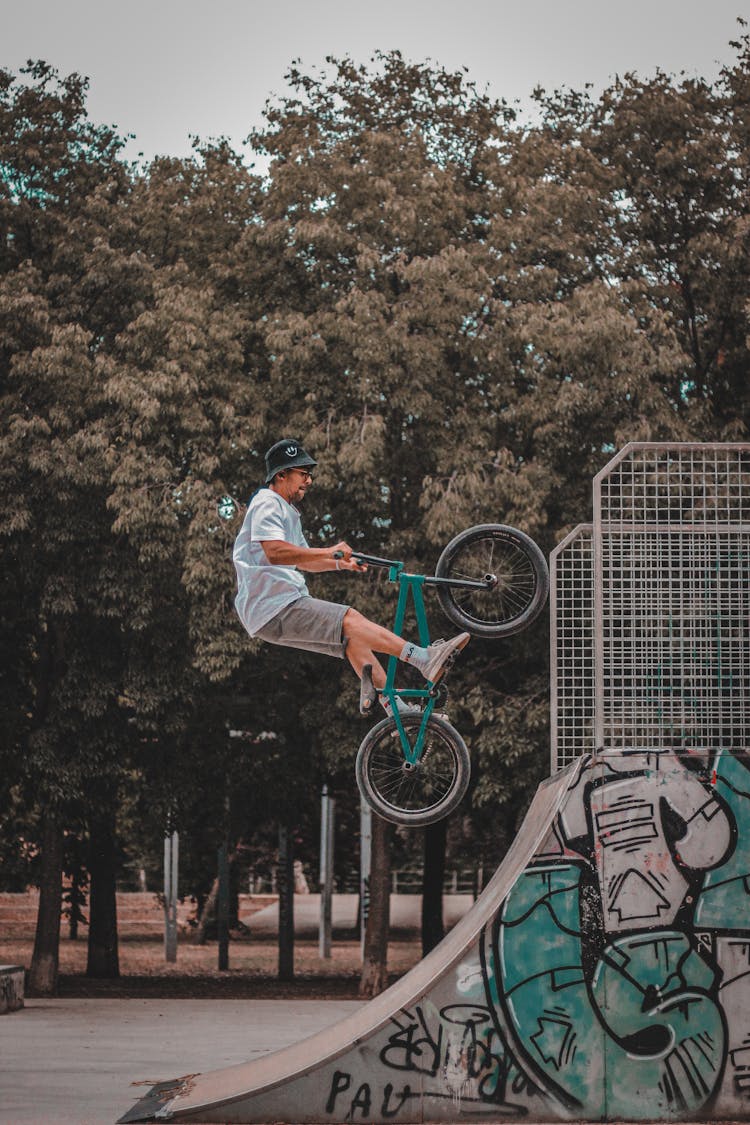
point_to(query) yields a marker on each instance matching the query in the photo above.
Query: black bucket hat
(286, 454)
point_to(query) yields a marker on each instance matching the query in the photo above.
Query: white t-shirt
(264, 590)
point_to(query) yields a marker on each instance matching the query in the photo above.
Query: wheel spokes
(516, 580)
(423, 786)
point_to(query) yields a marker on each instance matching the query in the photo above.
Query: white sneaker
(402, 706)
(441, 653)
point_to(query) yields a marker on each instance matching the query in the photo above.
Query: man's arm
(312, 559)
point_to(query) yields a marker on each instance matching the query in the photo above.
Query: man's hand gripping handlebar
(346, 559)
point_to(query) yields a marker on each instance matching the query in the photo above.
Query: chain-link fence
(651, 605)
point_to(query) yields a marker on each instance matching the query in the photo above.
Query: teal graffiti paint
(642, 1038)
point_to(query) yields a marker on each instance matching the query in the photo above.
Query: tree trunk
(75, 899)
(45, 959)
(46, 956)
(433, 931)
(208, 910)
(207, 914)
(375, 966)
(285, 880)
(103, 958)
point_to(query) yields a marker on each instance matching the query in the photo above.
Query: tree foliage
(462, 317)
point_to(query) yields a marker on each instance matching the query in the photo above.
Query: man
(273, 601)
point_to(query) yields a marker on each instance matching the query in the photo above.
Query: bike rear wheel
(521, 583)
(413, 795)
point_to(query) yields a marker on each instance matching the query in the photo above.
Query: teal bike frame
(410, 586)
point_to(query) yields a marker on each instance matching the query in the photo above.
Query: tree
(378, 278)
(95, 530)
(462, 318)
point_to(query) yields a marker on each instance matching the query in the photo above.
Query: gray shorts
(310, 624)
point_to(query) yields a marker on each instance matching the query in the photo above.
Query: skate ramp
(297, 1084)
(604, 974)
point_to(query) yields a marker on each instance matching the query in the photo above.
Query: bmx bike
(413, 768)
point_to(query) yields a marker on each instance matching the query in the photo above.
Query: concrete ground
(85, 1062)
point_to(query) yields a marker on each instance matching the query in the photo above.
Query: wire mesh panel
(572, 646)
(672, 597)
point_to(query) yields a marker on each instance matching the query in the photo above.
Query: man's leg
(364, 638)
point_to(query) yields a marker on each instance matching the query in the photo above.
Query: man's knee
(352, 623)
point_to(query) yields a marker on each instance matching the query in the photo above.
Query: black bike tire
(530, 611)
(413, 819)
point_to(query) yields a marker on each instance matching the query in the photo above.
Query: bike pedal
(368, 694)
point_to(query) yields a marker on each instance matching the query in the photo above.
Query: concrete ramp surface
(603, 974)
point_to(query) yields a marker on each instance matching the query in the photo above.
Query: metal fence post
(365, 860)
(222, 912)
(327, 820)
(171, 869)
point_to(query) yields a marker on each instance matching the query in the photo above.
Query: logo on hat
(286, 454)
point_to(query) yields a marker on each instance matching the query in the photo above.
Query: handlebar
(489, 582)
(369, 560)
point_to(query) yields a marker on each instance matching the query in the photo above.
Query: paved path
(74, 1062)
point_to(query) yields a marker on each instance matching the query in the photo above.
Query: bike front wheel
(520, 580)
(413, 795)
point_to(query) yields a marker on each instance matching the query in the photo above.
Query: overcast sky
(164, 69)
